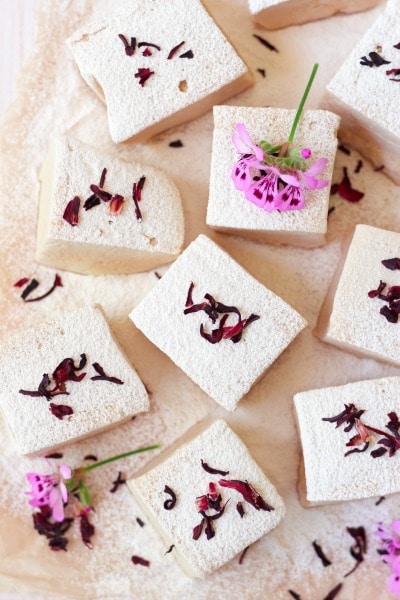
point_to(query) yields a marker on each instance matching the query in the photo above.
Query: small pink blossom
(391, 547)
(50, 489)
(305, 153)
(251, 155)
(309, 177)
(263, 192)
(241, 174)
(243, 142)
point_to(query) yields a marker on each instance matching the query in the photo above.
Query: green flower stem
(302, 103)
(124, 455)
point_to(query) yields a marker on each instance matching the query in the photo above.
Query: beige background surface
(52, 98)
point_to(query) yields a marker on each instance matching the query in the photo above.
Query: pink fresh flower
(50, 489)
(263, 192)
(309, 177)
(241, 174)
(391, 547)
(243, 142)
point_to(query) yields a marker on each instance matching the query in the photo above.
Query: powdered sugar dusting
(53, 99)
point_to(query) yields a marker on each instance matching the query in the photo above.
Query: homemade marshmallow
(276, 14)
(204, 70)
(97, 405)
(330, 475)
(101, 242)
(219, 447)
(366, 96)
(225, 370)
(228, 209)
(351, 319)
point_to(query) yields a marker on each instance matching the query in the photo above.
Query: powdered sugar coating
(134, 109)
(355, 321)
(228, 209)
(221, 448)
(226, 370)
(102, 243)
(330, 476)
(96, 404)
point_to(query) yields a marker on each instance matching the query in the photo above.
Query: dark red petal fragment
(359, 548)
(201, 504)
(241, 558)
(391, 263)
(216, 334)
(103, 178)
(189, 299)
(321, 555)
(198, 529)
(90, 457)
(29, 288)
(169, 502)
(209, 530)
(174, 50)
(21, 282)
(397, 46)
(334, 592)
(374, 60)
(71, 212)
(146, 52)
(87, 530)
(117, 482)
(54, 455)
(379, 290)
(60, 410)
(344, 149)
(240, 509)
(378, 452)
(105, 196)
(66, 370)
(213, 471)
(141, 44)
(116, 204)
(294, 595)
(358, 166)
(363, 449)
(265, 43)
(248, 492)
(394, 424)
(262, 72)
(137, 196)
(140, 522)
(41, 391)
(91, 202)
(389, 314)
(138, 560)
(346, 191)
(334, 188)
(170, 549)
(395, 72)
(129, 48)
(176, 144)
(102, 376)
(381, 499)
(58, 543)
(56, 283)
(188, 54)
(143, 74)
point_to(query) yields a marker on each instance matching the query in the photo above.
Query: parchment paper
(52, 99)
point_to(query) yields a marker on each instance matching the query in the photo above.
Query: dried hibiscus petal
(198, 529)
(87, 530)
(116, 204)
(378, 291)
(346, 191)
(213, 471)
(321, 555)
(248, 492)
(71, 212)
(169, 502)
(102, 376)
(117, 482)
(56, 283)
(174, 50)
(138, 560)
(60, 410)
(391, 263)
(240, 509)
(143, 74)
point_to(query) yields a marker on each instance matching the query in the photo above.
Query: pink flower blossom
(241, 174)
(243, 143)
(391, 553)
(251, 155)
(309, 177)
(263, 192)
(50, 489)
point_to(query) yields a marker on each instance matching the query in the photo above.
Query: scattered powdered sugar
(53, 99)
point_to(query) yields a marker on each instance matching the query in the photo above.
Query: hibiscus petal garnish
(248, 492)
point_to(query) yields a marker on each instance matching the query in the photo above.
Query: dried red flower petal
(359, 548)
(117, 482)
(265, 43)
(87, 530)
(374, 60)
(334, 592)
(358, 166)
(393, 264)
(198, 529)
(148, 44)
(146, 52)
(143, 74)
(137, 196)
(389, 314)
(91, 202)
(176, 144)
(241, 557)
(321, 555)
(102, 376)
(346, 191)
(378, 291)
(21, 282)
(138, 560)
(344, 149)
(56, 283)
(29, 288)
(129, 48)
(213, 471)
(240, 509)
(116, 204)
(90, 457)
(170, 549)
(58, 543)
(188, 54)
(140, 522)
(174, 50)
(102, 194)
(248, 492)
(103, 178)
(169, 502)
(54, 455)
(60, 410)
(71, 212)
(395, 72)
(294, 595)
(201, 503)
